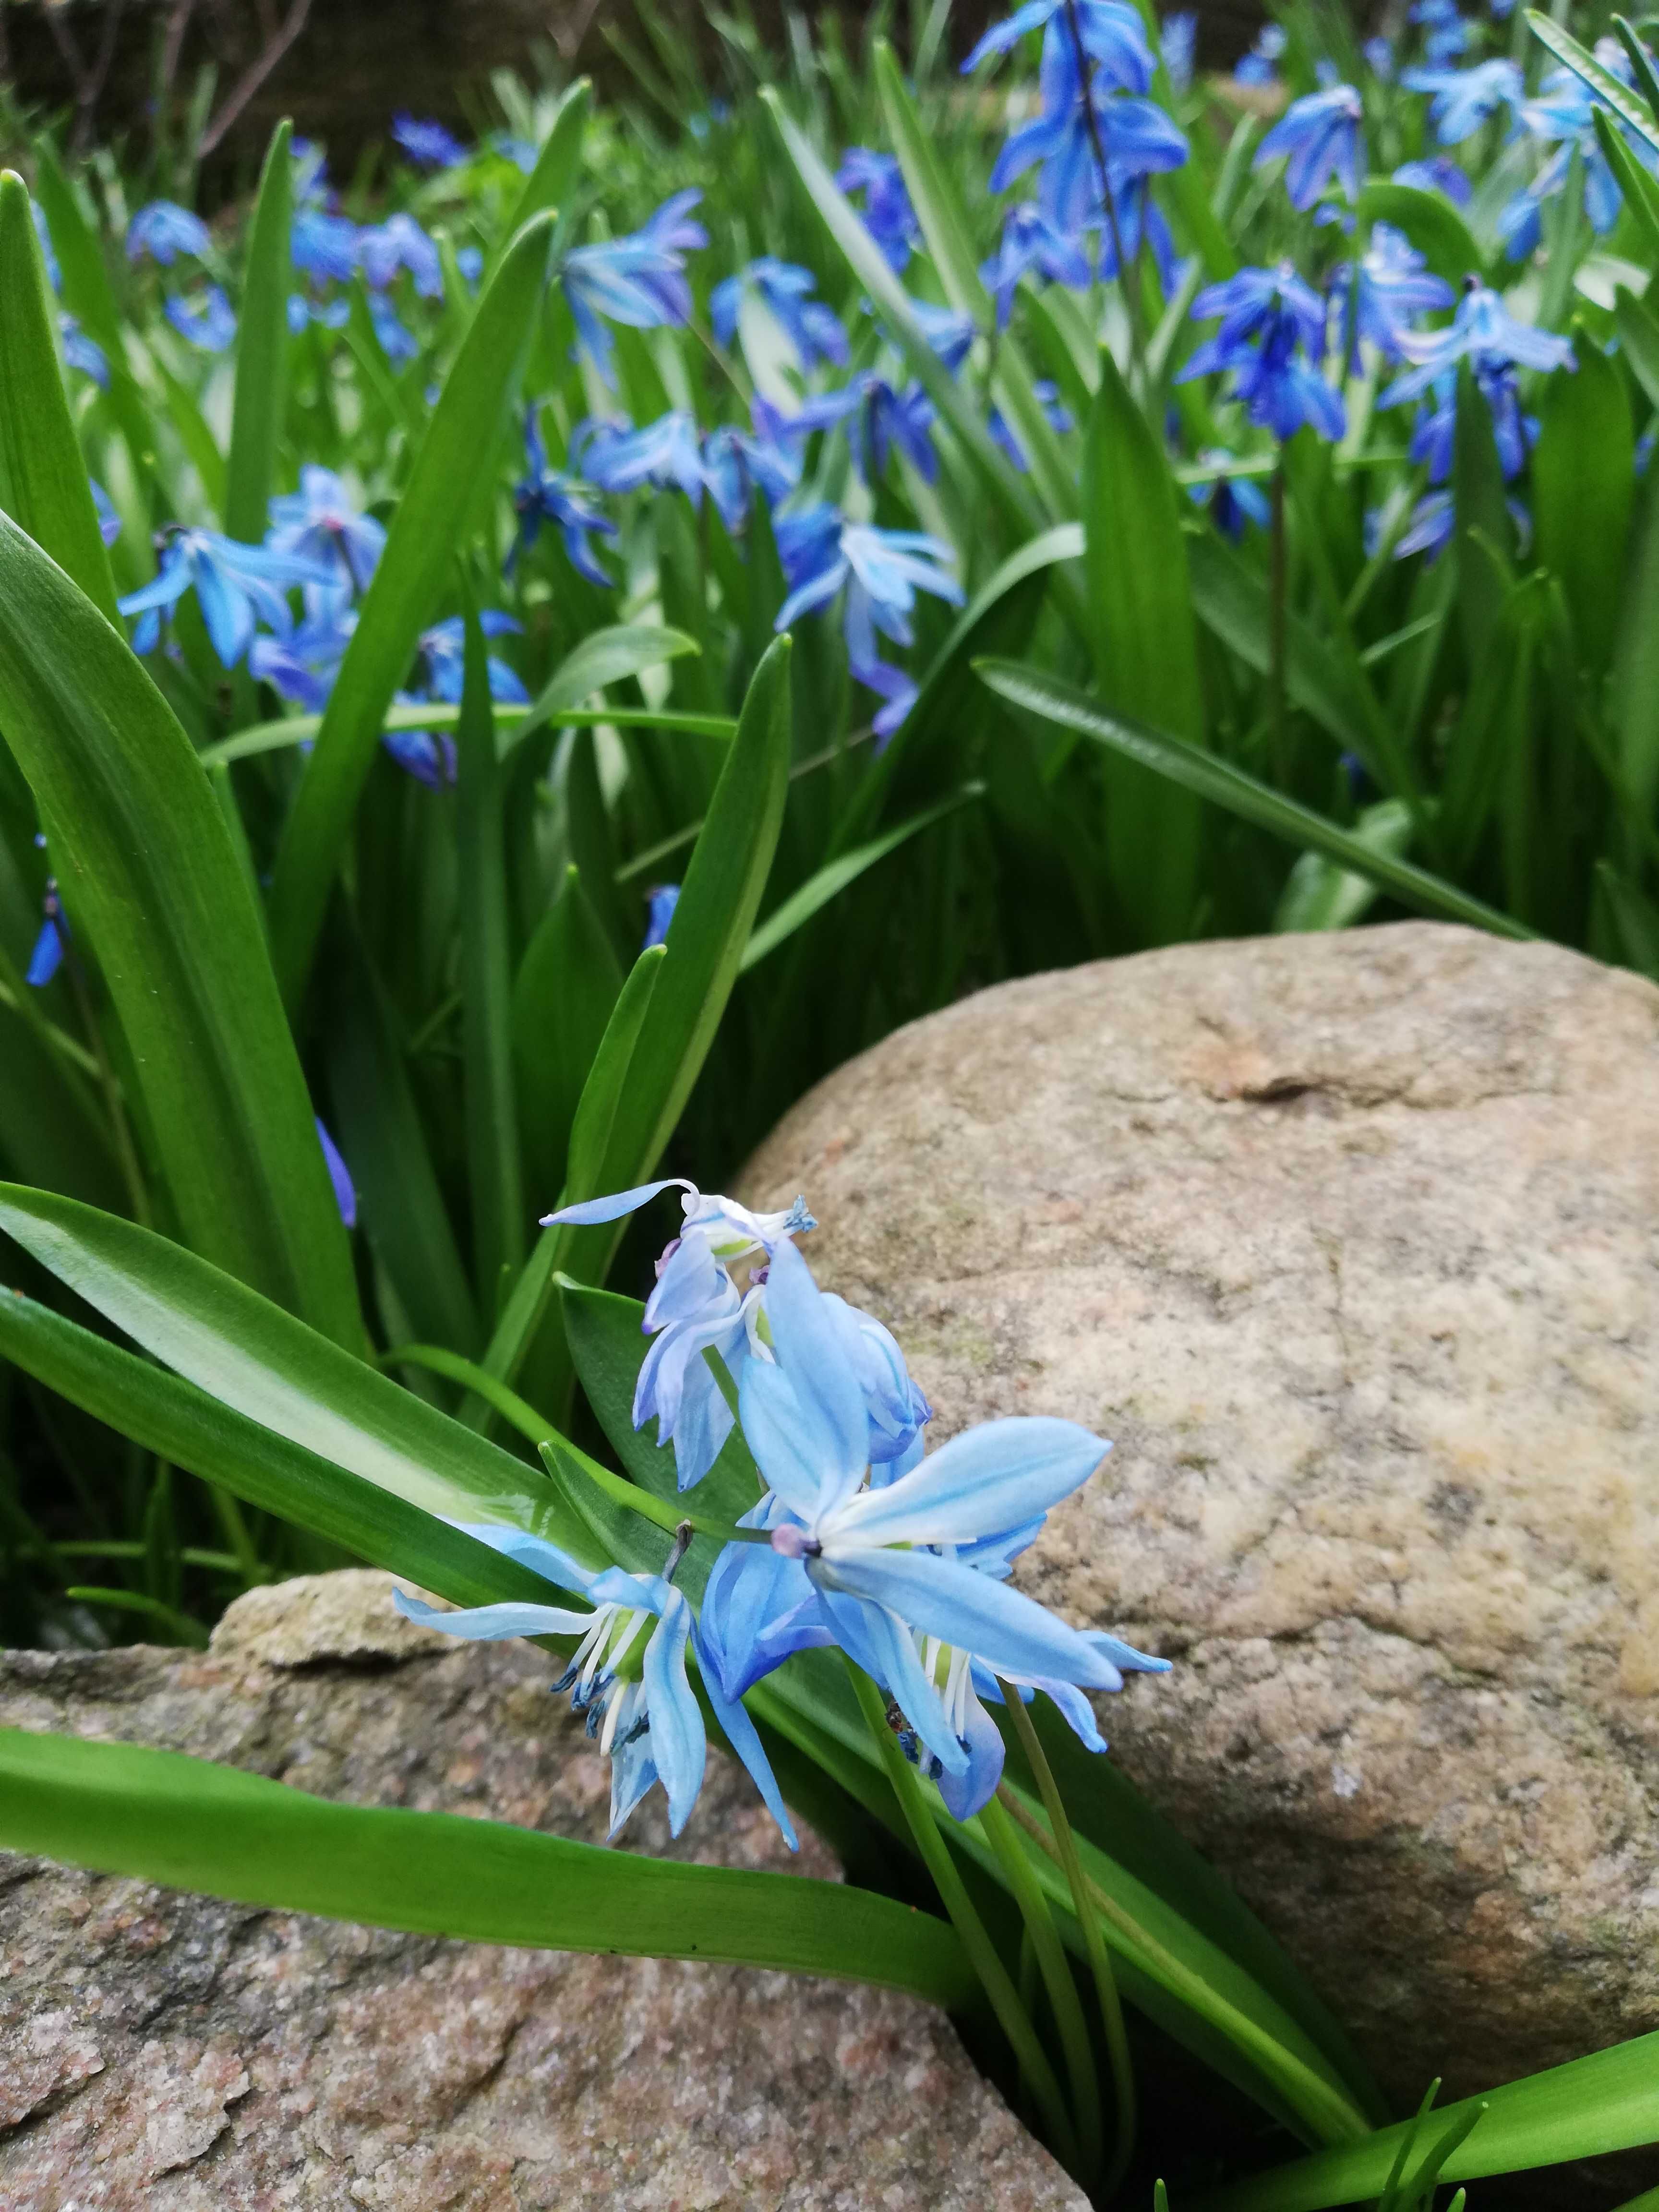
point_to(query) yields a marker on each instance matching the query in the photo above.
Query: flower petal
(989, 1479)
(677, 1743)
(491, 1624)
(1013, 1634)
(594, 1210)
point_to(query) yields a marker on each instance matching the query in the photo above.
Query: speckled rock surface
(1351, 1243)
(164, 2053)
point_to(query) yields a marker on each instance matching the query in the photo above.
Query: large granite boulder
(165, 2053)
(1352, 1242)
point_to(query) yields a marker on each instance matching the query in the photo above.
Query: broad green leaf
(443, 487)
(1633, 690)
(1016, 500)
(1484, 526)
(834, 877)
(1605, 2102)
(511, 719)
(548, 186)
(1319, 894)
(1638, 340)
(1219, 781)
(1432, 224)
(1583, 475)
(1146, 652)
(43, 478)
(944, 226)
(149, 870)
(1641, 61)
(1492, 735)
(187, 1428)
(566, 984)
(259, 1361)
(604, 656)
(495, 1173)
(1625, 104)
(261, 349)
(189, 1823)
(1641, 194)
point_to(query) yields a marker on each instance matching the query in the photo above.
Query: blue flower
(206, 318)
(321, 523)
(639, 281)
(1377, 296)
(443, 647)
(470, 260)
(1484, 333)
(234, 585)
(1434, 433)
(1448, 34)
(1030, 243)
(1136, 216)
(1378, 54)
(83, 353)
(427, 143)
(302, 664)
(345, 1191)
(1462, 99)
(628, 1676)
(1138, 137)
(1112, 35)
(695, 1308)
(1437, 174)
(328, 314)
(1320, 134)
(1261, 65)
(1046, 393)
(1178, 47)
(880, 572)
(876, 416)
(737, 464)
(950, 331)
(661, 902)
(54, 274)
(398, 243)
(395, 338)
(109, 522)
(907, 1575)
(666, 454)
(323, 247)
(1234, 502)
(163, 231)
(812, 328)
(551, 495)
(1272, 338)
(888, 215)
(49, 946)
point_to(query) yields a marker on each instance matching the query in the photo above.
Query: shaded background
(342, 68)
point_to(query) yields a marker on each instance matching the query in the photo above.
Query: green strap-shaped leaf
(604, 656)
(1222, 784)
(834, 877)
(151, 874)
(453, 462)
(43, 478)
(1641, 194)
(1608, 2101)
(261, 1362)
(261, 349)
(547, 188)
(189, 1823)
(511, 719)
(1583, 479)
(1626, 104)
(568, 982)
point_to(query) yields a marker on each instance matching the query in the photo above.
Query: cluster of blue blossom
(861, 1539)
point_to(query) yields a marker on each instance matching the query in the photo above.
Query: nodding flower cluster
(861, 1539)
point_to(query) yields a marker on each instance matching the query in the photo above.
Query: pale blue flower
(666, 455)
(639, 281)
(1261, 65)
(1482, 332)
(950, 331)
(397, 341)
(47, 956)
(1112, 32)
(323, 247)
(398, 243)
(1377, 297)
(322, 523)
(206, 318)
(1319, 136)
(552, 495)
(813, 327)
(1462, 99)
(83, 353)
(1178, 47)
(1271, 339)
(234, 585)
(888, 215)
(627, 1674)
(661, 902)
(164, 231)
(1030, 245)
(327, 314)
(1439, 173)
(339, 1176)
(875, 416)
(1046, 393)
(1378, 54)
(1139, 139)
(880, 572)
(695, 1308)
(737, 464)
(302, 663)
(427, 143)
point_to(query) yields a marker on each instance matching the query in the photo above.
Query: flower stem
(994, 1977)
(1130, 290)
(1057, 1979)
(1111, 2008)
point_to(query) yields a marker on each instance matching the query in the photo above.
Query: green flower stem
(994, 1977)
(1057, 1979)
(1308, 2090)
(1111, 2008)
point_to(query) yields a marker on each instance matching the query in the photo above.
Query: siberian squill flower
(1137, 135)
(1484, 333)
(1447, 33)
(1377, 296)
(556, 497)
(1111, 31)
(737, 464)
(47, 956)
(627, 1674)
(1261, 65)
(639, 281)
(1178, 47)
(876, 416)
(1378, 54)
(322, 523)
(880, 572)
(1271, 338)
(1030, 245)
(398, 243)
(205, 319)
(907, 1575)
(666, 454)
(888, 215)
(339, 1176)
(323, 247)
(163, 231)
(1438, 173)
(83, 353)
(811, 326)
(236, 585)
(1046, 393)
(1319, 135)
(661, 902)
(1233, 501)
(427, 143)
(695, 1308)
(1462, 99)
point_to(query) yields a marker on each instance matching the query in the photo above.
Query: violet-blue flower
(811, 326)
(888, 215)
(47, 956)
(1271, 339)
(737, 464)
(323, 247)
(234, 585)
(1111, 32)
(1261, 65)
(661, 902)
(339, 1176)
(875, 416)
(666, 455)
(427, 143)
(1462, 99)
(322, 523)
(1138, 137)
(83, 353)
(1482, 332)
(880, 572)
(1319, 138)
(1438, 173)
(1030, 245)
(398, 243)
(1377, 296)
(163, 231)
(556, 497)
(205, 319)
(639, 281)
(1178, 47)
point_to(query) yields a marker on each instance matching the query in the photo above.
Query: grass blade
(1625, 104)
(261, 349)
(834, 877)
